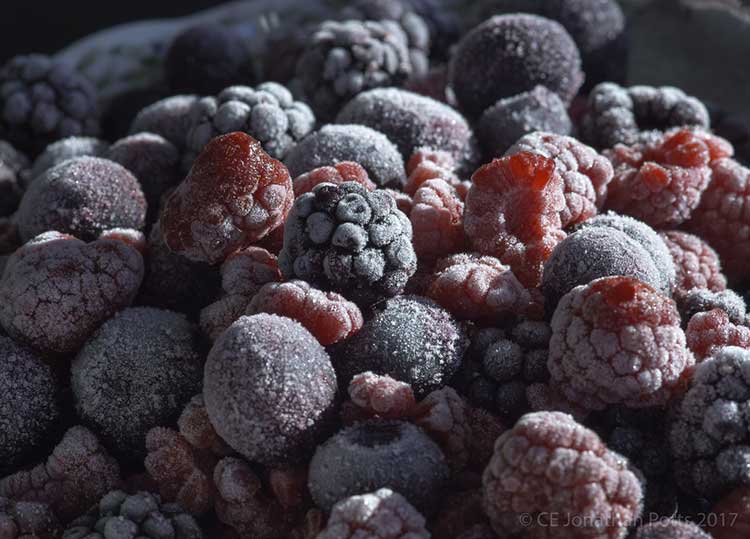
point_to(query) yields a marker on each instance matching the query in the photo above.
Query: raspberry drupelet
(696, 263)
(709, 331)
(344, 171)
(235, 194)
(513, 212)
(617, 341)
(27, 520)
(548, 464)
(437, 220)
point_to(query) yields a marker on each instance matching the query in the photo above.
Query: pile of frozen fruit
(402, 278)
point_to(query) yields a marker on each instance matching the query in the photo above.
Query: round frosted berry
(67, 148)
(345, 171)
(373, 455)
(513, 212)
(437, 220)
(235, 194)
(412, 340)
(548, 464)
(671, 529)
(169, 118)
(696, 263)
(96, 194)
(617, 341)
(333, 144)
(261, 355)
(709, 331)
(507, 55)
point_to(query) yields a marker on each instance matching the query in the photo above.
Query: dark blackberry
(13, 168)
(169, 117)
(262, 355)
(333, 144)
(27, 520)
(412, 340)
(349, 239)
(377, 454)
(136, 372)
(342, 59)
(43, 101)
(28, 402)
(64, 149)
(119, 515)
(413, 122)
(700, 300)
(510, 54)
(267, 112)
(206, 58)
(616, 114)
(502, 124)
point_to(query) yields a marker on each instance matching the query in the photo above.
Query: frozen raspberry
(376, 454)
(327, 315)
(13, 169)
(708, 434)
(617, 340)
(349, 239)
(426, 164)
(671, 529)
(660, 182)
(548, 464)
(733, 512)
(513, 212)
(585, 174)
(696, 263)
(383, 514)
(412, 122)
(474, 287)
(96, 194)
(709, 331)
(235, 194)
(195, 426)
(169, 118)
(437, 220)
(136, 372)
(344, 171)
(259, 355)
(701, 300)
(507, 55)
(95, 280)
(64, 149)
(617, 115)
(27, 520)
(70, 480)
(721, 219)
(382, 396)
(411, 339)
(333, 144)
(28, 402)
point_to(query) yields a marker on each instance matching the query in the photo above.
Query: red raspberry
(474, 287)
(697, 264)
(513, 213)
(708, 331)
(661, 181)
(234, 195)
(733, 511)
(327, 315)
(345, 171)
(617, 341)
(437, 220)
(381, 396)
(548, 465)
(426, 164)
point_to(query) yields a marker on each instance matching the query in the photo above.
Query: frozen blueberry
(169, 117)
(65, 149)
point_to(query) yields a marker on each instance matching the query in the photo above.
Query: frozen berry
(67, 148)
(382, 396)
(259, 355)
(169, 118)
(83, 197)
(327, 315)
(671, 529)
(617, 341)
(333, 144)
(56, 290)
(437, 220)
(510, 54)
(77, 472)
(27, 520)
(376, 454)
(28, 402)
(344, 171)
(235, 194)
(195, 426)
(708, 331)
(733, 515)
(43, 100)
(549, 466)
(432, 84)
(701, 300)
(412, 121)
(412, 340)
(426, 164)
(13, 169)
(696, 263)
(513, 212)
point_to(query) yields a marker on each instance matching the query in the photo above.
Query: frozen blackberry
(333, 144)
(412, 340)
(349, 239)
(700, 300)
(412, 121)
(169, 117)
(378, 454)
(28, 402)
(27, 520)
(43, 101)
(13, 165)
(671, 529)
(510, 54)
(503, 123)
(83, 197)
(64, 149)
(342, 59)
(616, 114)
(697, 265)
(118, 515)
(267, 112)
(708, 434)
(257, 356)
